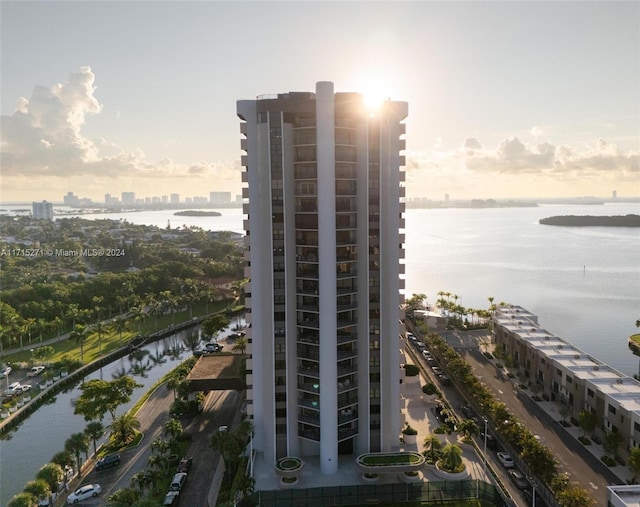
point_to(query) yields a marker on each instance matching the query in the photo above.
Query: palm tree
(125, 497)
(138, 315)
(100, 327)
(77, 443)
(173, 383)
(160, 462)
(142, 480)
(432, 446)
(57, 322)
(173, 428)
(79, 334)
(467, 428)
(124, 427)
(119, 325)
(229, 448)
(451, 457)
(94, 431)
(160, 446)
(240, 345)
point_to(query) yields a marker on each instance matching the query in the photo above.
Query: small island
(197, 213)
(593, 221)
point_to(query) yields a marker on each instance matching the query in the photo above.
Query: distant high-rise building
(325, 213)
(42, 210)
(165, 199)
(219, 198)
(614, 194)
(70, 199)
(128, 198)
(175, 198)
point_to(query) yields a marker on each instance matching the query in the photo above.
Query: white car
(5, 371)
(25, 387)
(505, 459)
(35, 371)
(14, 388)
(84, 492)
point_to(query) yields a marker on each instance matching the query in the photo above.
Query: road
(581, 465)
(220, 408)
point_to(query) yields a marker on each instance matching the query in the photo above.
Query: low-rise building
(565, 374)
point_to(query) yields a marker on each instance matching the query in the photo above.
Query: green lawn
(113, 340)
(384, 459)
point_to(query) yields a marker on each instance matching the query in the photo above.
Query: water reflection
(43, 434)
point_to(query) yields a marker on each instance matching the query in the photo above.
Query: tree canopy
(101, 396)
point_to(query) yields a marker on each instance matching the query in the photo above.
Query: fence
(373, 494)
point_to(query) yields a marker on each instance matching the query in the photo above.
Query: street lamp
(485, 445)
(533, 501)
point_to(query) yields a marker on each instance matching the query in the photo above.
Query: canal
(43, 434)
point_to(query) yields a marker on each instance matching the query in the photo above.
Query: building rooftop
(625, 495)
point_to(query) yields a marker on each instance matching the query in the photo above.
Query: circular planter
(409, 439)
(451, 476)
(20, 403)
(288, 482)
(289, 467)
(4, 414)
(410, 477)
(13, 410)
(370, 477)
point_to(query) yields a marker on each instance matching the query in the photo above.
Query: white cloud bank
(516, 168)
(43, 138)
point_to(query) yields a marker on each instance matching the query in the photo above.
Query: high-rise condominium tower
(324, 228)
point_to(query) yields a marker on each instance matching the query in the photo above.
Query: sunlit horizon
(506, 100)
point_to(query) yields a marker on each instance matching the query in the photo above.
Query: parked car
(213, 347)
(25, 387)
(4, 371)
(171, 498)
(108, 461)
(178, 481)
(505, 459)
(202, 352)
(35, 371)
(446, 381)
(467, 411)
(518, 478)
(84, 492)
(184, 465)
(491, 441)
(14, 388)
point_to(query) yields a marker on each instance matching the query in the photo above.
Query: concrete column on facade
(363, 439)
(261, 394)
(325, 134)
(289, 206)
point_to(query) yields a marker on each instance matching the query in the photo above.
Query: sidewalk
(552, 409)
(416, 410)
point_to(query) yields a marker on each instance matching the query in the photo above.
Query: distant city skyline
(508, 99)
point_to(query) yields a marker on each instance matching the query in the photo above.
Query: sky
(506, 99)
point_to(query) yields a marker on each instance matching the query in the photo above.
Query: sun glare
(373, 100)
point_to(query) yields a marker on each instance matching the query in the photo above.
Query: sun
(374, 99)
(374, 94)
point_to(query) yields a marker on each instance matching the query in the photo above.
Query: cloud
(513, 156)
(44, 137)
